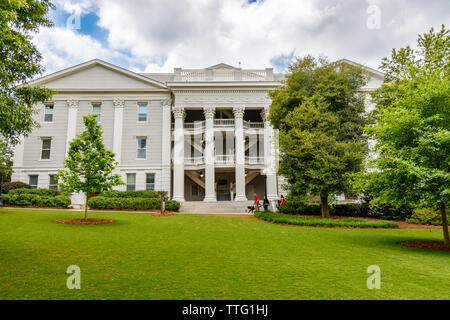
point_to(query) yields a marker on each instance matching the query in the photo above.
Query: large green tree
(20, 61)
(320, 114)
(89, 165)
(412, 128)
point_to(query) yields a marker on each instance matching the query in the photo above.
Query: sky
(159, 35)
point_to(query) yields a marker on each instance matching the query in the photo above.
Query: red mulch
(429, 245)
(82, 221)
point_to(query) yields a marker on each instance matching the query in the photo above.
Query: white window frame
(49, 104)
(146, 179)
(50, 186)
(49, 150)
(146, 114)
(99, 115)
(137, 147)
(37, 181)
(127, 184)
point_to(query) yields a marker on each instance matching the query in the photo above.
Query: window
(97, 110)
(33, 181)
(131, 181)
(150, 182)
(142, 112)
(53, 184)
(141, 148)
(46, 146)
(48, 114)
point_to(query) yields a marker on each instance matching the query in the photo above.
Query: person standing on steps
(266, 204)
(256, 204)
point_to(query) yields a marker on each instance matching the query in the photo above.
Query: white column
(210, 192)
(72, 106)
(240, 153)
(119, 104)
(164, 178)
(178, 154)
(269, 158)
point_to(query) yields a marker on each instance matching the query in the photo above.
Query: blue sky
(157, 35)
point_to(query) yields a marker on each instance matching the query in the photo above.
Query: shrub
(33, 200)
(350, 210)
(129, 194)
(124, 203)
(390, 212)
(172, 205)
(321, 222)
(39, 192)
(300, 205)
(8, 186)
(427, 216)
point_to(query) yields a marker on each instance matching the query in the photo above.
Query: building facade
(199, 134)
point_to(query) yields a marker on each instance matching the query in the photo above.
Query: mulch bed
(32, 207)
(82, 221)
(429, 245)
(165, 214)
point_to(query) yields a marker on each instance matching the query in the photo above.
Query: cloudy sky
(158, 35)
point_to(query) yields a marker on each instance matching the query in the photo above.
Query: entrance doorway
(223, 190)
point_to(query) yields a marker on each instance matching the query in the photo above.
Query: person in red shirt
(256, 204)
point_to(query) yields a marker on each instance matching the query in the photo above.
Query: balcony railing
(194, 160)
(254, 160)
(253, 125)
(223, 74)
(224, 122)
(224, 158)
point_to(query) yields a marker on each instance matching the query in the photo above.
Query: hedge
(320, 222)
(34, 200)
(38, 192)
(172, 205)
(129, 194)
(387, 212)
(124, 203)
(8, 186)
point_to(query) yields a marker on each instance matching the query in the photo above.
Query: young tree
(412, 127)
(320, 114)
(89, 165)
(19, 62)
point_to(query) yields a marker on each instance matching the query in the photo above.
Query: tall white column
(178, 154)
(269, 158)
(72, 106)
(119, 104)
(210, 192)
(240, 153)
(164, 179)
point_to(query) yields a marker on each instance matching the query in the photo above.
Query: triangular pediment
(222, 66)
(97, 75)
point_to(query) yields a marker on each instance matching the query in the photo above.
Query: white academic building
(200, 134)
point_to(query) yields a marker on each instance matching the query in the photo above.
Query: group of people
(257, 205)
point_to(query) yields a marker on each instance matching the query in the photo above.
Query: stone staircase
(215, 207)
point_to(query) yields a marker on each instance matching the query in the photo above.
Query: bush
(124, 203)
(427, 216)
(8, 186)
(172, 205)
(34, 200)
(390, 212)
(38, 192)
(321, 222)
(129, 194)
(350, 210)
(300, 205)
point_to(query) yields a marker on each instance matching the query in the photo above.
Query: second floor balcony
(223, 160)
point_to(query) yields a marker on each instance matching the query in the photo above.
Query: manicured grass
(210, 257)
(321, 222)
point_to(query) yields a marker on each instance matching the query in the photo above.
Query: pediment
(97, 75)
(222, 66)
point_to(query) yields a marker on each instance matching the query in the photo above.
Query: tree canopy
(412, 127)
(20, 61)
(320, 114)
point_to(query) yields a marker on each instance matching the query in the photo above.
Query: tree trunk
(324, 205)
(445, 226)
(86, 207)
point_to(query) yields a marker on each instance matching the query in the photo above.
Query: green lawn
(210, 257)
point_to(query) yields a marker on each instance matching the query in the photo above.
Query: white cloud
(161, 35)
